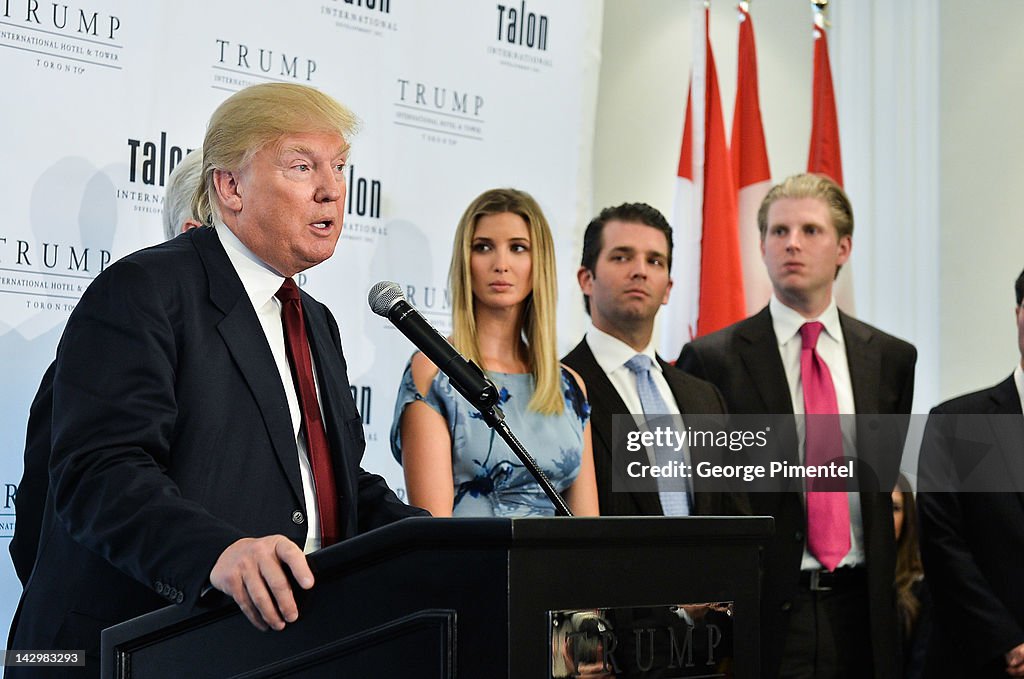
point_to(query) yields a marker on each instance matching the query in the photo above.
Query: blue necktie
(673, 503)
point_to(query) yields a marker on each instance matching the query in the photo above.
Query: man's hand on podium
(251, 571)
(1015, 661)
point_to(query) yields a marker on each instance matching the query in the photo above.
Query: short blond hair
(259, 115)
(811, 186)
(538, 318)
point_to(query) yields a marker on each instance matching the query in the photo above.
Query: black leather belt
(840, 578)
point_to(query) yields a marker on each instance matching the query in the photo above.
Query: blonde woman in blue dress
(503, 286)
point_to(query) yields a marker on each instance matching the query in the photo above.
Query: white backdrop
(100, 99)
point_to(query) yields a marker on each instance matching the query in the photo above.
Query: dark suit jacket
(31, 496)
(743, 361)
(971, 545)
(172, 439)
(692, 395)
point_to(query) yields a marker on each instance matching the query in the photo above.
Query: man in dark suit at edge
(830, 611)
(970, 540)
(32, 489)
(204, 433)
(625, 279)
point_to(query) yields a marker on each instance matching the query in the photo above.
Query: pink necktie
(828, 511)
(312, 423)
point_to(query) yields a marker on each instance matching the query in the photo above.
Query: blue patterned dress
(489, 480)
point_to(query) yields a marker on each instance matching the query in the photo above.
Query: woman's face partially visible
(897, 512)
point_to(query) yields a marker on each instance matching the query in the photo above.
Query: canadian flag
(824, 156)
(753, 177)
(704, 216)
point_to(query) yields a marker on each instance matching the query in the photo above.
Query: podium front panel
(459, 598)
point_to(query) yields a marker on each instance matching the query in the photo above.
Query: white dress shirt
(831, 348)
(261, 284)
(612, 353)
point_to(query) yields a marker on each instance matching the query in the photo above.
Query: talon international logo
(150, 162)
(63, 38)
(521, 40)
(238, 65)
(363, 396)
(440, 114)
(363, 204)
(372, 17)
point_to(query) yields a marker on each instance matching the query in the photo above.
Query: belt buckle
(816, 585)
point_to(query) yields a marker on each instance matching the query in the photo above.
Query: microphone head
(383, 296)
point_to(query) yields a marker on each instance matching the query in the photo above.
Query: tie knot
(809, 333)
(640, 363)
(288, 291)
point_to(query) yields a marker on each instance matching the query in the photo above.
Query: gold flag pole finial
(820, 7)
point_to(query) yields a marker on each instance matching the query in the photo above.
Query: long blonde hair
(538, 316)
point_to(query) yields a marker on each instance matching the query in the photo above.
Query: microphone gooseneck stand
(495, 419)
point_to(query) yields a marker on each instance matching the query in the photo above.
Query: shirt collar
(787, 322)
(260, 281)
(611, 353)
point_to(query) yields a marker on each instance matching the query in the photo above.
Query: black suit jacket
(172, 439)
(31, 496)
(971, 544)
(692, 395)
(743, 361)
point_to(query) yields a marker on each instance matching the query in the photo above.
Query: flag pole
(749, 154)
(824, 155)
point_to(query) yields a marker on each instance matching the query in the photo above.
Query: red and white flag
(824, 155)
(752, 175)
(705, 204)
